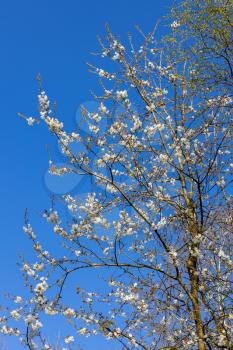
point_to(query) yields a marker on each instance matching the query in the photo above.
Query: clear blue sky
(53, 38)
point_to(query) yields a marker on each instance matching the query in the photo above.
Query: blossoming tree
(158, 226)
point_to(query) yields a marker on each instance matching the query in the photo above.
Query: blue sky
(53, 38)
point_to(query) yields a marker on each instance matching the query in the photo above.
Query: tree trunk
(192, 264)
(194, 280)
